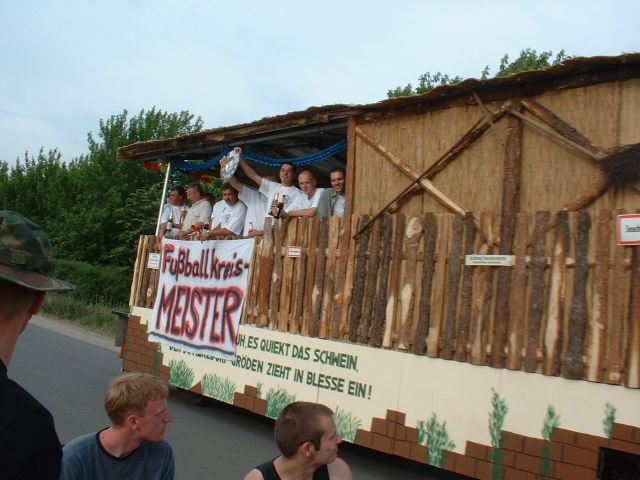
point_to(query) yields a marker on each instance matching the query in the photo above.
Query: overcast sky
(67, 64)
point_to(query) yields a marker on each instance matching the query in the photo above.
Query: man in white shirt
(228, 214)
(307, 203)
(199, 213)
(171, 217)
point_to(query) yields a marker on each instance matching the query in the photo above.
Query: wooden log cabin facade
(442, 348)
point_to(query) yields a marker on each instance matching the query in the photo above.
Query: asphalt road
(210, 440)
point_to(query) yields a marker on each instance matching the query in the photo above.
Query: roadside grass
(95, 315)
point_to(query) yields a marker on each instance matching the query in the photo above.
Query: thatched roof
(302, 132)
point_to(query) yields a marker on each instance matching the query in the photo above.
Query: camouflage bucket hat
(25, 254)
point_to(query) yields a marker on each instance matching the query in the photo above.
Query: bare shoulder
(339, 470)
(254, 475)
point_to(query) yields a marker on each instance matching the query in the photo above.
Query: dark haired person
(228, 214)
(332, 200)
(173, 213)
(29, 445)
(306, 435)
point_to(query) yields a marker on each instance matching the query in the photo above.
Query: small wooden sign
(295, 252)
(629, 229)
(492, 260)
(154, 261)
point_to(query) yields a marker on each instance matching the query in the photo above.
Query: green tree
(527, 60)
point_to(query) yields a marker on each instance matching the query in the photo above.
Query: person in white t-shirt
(173, 213)
(307, 203)
(199, 213)
(228, 214)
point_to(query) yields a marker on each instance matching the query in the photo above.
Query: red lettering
(232, 301)
(166, 304)
(191, 328)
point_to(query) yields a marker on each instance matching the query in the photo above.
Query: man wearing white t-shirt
(173, 213)
(307, 203)
(199, 213)
(228, 214)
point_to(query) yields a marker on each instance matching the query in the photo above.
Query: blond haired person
(133, 446)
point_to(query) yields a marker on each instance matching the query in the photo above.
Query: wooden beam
(428, 186)
(510, 207)
(488, 118)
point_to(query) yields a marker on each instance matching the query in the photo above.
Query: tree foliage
(95, 208)
(527, 60)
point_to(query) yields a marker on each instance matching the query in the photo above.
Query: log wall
(570, 305)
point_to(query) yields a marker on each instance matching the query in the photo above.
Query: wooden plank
(301, 277)
(255, 280)
(573, 365)
(599, 318)
(510, 206)
(266, 267)
(340, 307)
(142, 292)
(373, 265)
(359, 281)
(326, 322)
(391, 322)
(136, 274)
(381, 297)
(428, 269)
(407, 294)
(318, 281)
(557, 291)
(536, 303)
(633, 360)
(307, 313)
(561, 126)
(453, 284)
(518, 294)
(427, 185)
(466, 292)
(276, 276)
(288, 278)
(482, 294)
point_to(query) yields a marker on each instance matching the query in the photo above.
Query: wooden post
(438, 295)
(518, 294)
(373, 266)
(453, 283)
(407, 293)
(599, 317)
(359, 282)
(557, 291)
(428, 268)
(466, 292)
(340, 310)
(329, 279)
(573, 364)
(266, 265)
(633, 363)
(510, 207)
(275, 316)
(536, 302)
(383, 279)
(391, 322)
(318, 282)
(301, 279)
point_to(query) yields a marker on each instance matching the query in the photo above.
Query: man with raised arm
(228, 214)
(307, 203)
(133, 446)
(332, 201)
(306, 435)
(29, 445)
(199, 214)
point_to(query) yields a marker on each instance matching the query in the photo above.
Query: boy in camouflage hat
(29, 446)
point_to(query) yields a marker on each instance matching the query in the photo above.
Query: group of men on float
(242, 210)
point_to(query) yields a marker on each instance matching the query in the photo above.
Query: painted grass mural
(551, 422)
(434, 435)
(346, 424)
(220, 388)
(496, 422)
(277, 399)
(609, 419)
(180, 374)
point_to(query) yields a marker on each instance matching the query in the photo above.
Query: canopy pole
(164, 193)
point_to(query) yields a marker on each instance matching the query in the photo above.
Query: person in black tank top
(306, 435)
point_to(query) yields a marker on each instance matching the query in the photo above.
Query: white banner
(201, 294)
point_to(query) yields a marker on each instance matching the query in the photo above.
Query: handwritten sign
(491, 260)
(201, 294)
(629, 229)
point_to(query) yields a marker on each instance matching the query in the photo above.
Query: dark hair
(299, 423)
(289, 163)
(338, 169)
(180, 189)
(228, 186)
(197, 187)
